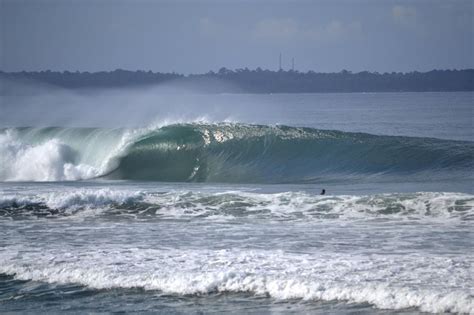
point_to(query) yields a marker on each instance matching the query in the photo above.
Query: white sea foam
(294, 205)
(229, 205)
(431, 284)
(51, 160)
(91, 198)
(74, 199)
(63, 155)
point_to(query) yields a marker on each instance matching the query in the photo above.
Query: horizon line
(211, 72)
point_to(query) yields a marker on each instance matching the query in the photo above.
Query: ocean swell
(221, 153)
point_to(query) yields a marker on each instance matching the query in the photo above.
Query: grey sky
(197, 36)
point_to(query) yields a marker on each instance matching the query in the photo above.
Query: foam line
(386, 283)
(228, 205)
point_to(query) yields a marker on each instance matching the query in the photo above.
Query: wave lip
(222, 153)
(237, 204)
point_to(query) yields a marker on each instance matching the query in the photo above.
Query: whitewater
(222, 215)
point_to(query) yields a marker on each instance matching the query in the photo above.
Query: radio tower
(279, 66)
(292, 64)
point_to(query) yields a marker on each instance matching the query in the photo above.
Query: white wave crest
(91, 199)
(75, 199)
(51, 160)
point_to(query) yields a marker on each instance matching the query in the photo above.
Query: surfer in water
(323, 192)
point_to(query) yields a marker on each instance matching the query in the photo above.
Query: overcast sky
(198, 36)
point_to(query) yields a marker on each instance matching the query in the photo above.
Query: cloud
(287, 29)
(276, 29)
(404, 15)
(280, 30)
(207, 27)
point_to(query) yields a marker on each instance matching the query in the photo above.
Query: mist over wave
(222, 152)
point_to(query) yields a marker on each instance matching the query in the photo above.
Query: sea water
(223, 214)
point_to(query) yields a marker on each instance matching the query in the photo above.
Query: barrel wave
(223, 152)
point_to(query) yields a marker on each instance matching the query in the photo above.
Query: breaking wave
(220, 153)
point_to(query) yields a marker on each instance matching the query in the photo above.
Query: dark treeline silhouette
(261, 81)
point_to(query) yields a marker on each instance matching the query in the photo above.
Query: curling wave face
(221, 153)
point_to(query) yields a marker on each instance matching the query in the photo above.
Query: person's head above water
(323, 191)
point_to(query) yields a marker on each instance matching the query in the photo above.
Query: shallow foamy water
(187, 248)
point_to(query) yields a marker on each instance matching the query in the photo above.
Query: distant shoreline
(243, 81)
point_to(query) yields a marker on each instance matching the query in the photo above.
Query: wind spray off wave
(221, 153)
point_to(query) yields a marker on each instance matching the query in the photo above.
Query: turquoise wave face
(264, 154)
(223, 153)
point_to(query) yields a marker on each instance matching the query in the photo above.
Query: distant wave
(220, 153)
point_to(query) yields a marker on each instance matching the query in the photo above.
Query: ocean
(197, 204)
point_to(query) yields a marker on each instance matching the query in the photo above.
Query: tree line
(259, 80)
